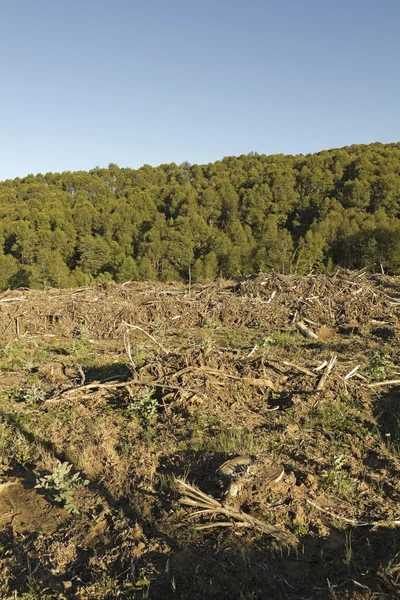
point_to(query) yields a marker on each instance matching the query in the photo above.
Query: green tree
(8, 268)
(128, 271)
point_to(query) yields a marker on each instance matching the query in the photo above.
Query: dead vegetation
(147, 389)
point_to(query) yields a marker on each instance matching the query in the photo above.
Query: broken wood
(122, 384)
(326, 373)
(163, 348)
(386, 382)
(351, 373)
(259, 381)
(21, 299)
(305, 331)
(298, 368)
(192, 496)
(250, 354)
(321, 366)
(353, 522)
(17, 331)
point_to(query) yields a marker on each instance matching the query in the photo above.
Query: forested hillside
(233, 217)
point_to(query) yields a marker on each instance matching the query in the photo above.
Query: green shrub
(377, 366)
(143, 404)
(60, 484)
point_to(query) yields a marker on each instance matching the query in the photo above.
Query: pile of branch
(346, 299)
(192, 496)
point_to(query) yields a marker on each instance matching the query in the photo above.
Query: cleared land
(140, 386)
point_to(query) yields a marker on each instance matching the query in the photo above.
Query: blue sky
(89, 82)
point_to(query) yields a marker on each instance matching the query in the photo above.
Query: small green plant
(142, 583)
(336, 479)
(14, 446)
(14, 504)
(348, 552)
(208, 334)
(14, 356)
(333, 416)
(285, 339)
(144, 404)
(207, 342)
(138, 355)
(392, 438)
(233, 338)
(81, 347)
(60, 484)
(228, 441)
(265, 343)
(35, 590)
(300, 529)
(33, 395)
(378, 364)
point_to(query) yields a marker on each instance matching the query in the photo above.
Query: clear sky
(89, 82)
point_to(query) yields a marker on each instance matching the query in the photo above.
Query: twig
(82, 374)
(351, 373)
(331, 590)
(326, 373)
(249, 380)
(389, 583)
(321, 366)
(256, 382)
(21, 299)
(353, 522)
(252, 351)
(122, 384)
(148, 335)
(192, 496)
(386, 382)
(220, 524)
(271, 297)
(127, 346)
(360, 585)
(308, 320)
(305, 331)
(359, 376)
(80, 290)
(221, 374)
(17, 332)
(298, 368)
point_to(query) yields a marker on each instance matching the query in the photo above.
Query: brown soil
(139, 384)
(24, 511)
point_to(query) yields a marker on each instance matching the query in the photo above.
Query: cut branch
(298, 368)
(386, 382)
(305, 331)
(353, 522)
(351, 373)
(163, 348)
(122, 384)
(192, 496)
(326, 373)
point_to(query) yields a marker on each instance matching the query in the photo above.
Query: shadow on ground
(223, 564)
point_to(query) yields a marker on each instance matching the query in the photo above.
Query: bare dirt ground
(147, 389)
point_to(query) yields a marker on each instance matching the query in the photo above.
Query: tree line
(239, 215)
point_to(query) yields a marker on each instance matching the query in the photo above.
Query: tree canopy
(233, 217)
